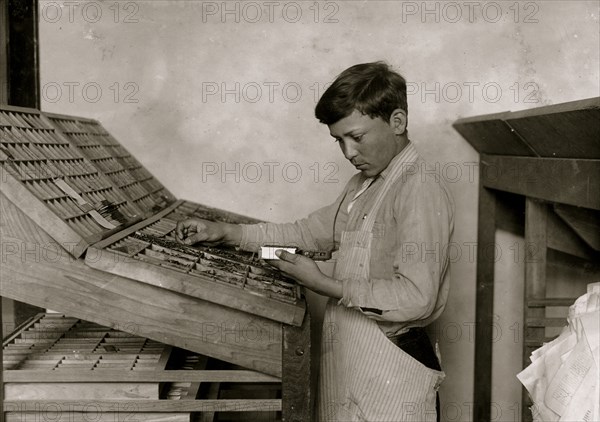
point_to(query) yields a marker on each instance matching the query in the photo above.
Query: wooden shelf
(545, 162)
(62, 368)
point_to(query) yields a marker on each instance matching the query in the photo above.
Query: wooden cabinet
(87, 231)
(539, 177)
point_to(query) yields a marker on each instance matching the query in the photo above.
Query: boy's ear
(398, 121)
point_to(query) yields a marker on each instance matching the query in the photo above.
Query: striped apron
(364, 376)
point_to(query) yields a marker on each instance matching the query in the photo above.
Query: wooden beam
(23, 54)
(27, 376)
(566, 181)
(491, 135)
(17, 313)
(1, 359)
(586, 223)
(135, 406)
(560, 237)
(554, 301)
(540, 323)
(47, 277)
(13, 190)
(296, 377)
(194, 387)
(92, 415)
(484, 306)
(197, 285)
(567, 130)
(510, 216)
(536, 250)
(569, 134)
(3, 51)
(80, 390)
(213, 394)
(587, 103)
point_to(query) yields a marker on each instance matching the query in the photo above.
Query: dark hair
(374, 89)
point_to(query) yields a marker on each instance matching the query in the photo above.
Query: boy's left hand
(301, 268)
(306, 272)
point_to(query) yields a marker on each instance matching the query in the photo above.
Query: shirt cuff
(251, 237)
(353, 298)
(350, 294)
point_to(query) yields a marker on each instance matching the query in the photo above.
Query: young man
(390, 226)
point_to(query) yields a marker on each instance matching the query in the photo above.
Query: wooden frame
(104, 390)
(35, 269)
(4, 52)
(58, 281)
(202, 287)
(20, 37)
(40, 268)
(550, 156)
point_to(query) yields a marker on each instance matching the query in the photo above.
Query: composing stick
(268, 252)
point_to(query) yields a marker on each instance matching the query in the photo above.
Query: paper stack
(564, 374)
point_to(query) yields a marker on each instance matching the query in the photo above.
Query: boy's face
(370, 144)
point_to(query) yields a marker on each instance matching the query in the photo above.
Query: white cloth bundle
(564, 374)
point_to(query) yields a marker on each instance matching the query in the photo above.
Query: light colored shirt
(409, 278)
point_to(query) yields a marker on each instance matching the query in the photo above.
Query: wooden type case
(56, 363)
(106, 153)
(250, 325)
(37, 162)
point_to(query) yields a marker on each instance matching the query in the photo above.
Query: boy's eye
(357, 138)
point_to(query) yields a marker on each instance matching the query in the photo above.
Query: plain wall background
(217, 101)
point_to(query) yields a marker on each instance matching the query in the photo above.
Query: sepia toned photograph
(299, 211)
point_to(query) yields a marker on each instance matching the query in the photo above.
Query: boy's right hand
(191, 231)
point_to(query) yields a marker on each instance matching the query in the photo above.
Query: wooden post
(296, 378)
(484, 308)
(23, 74)
(19, 81)
(4, 52)
(1, 367)
(536, 218)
